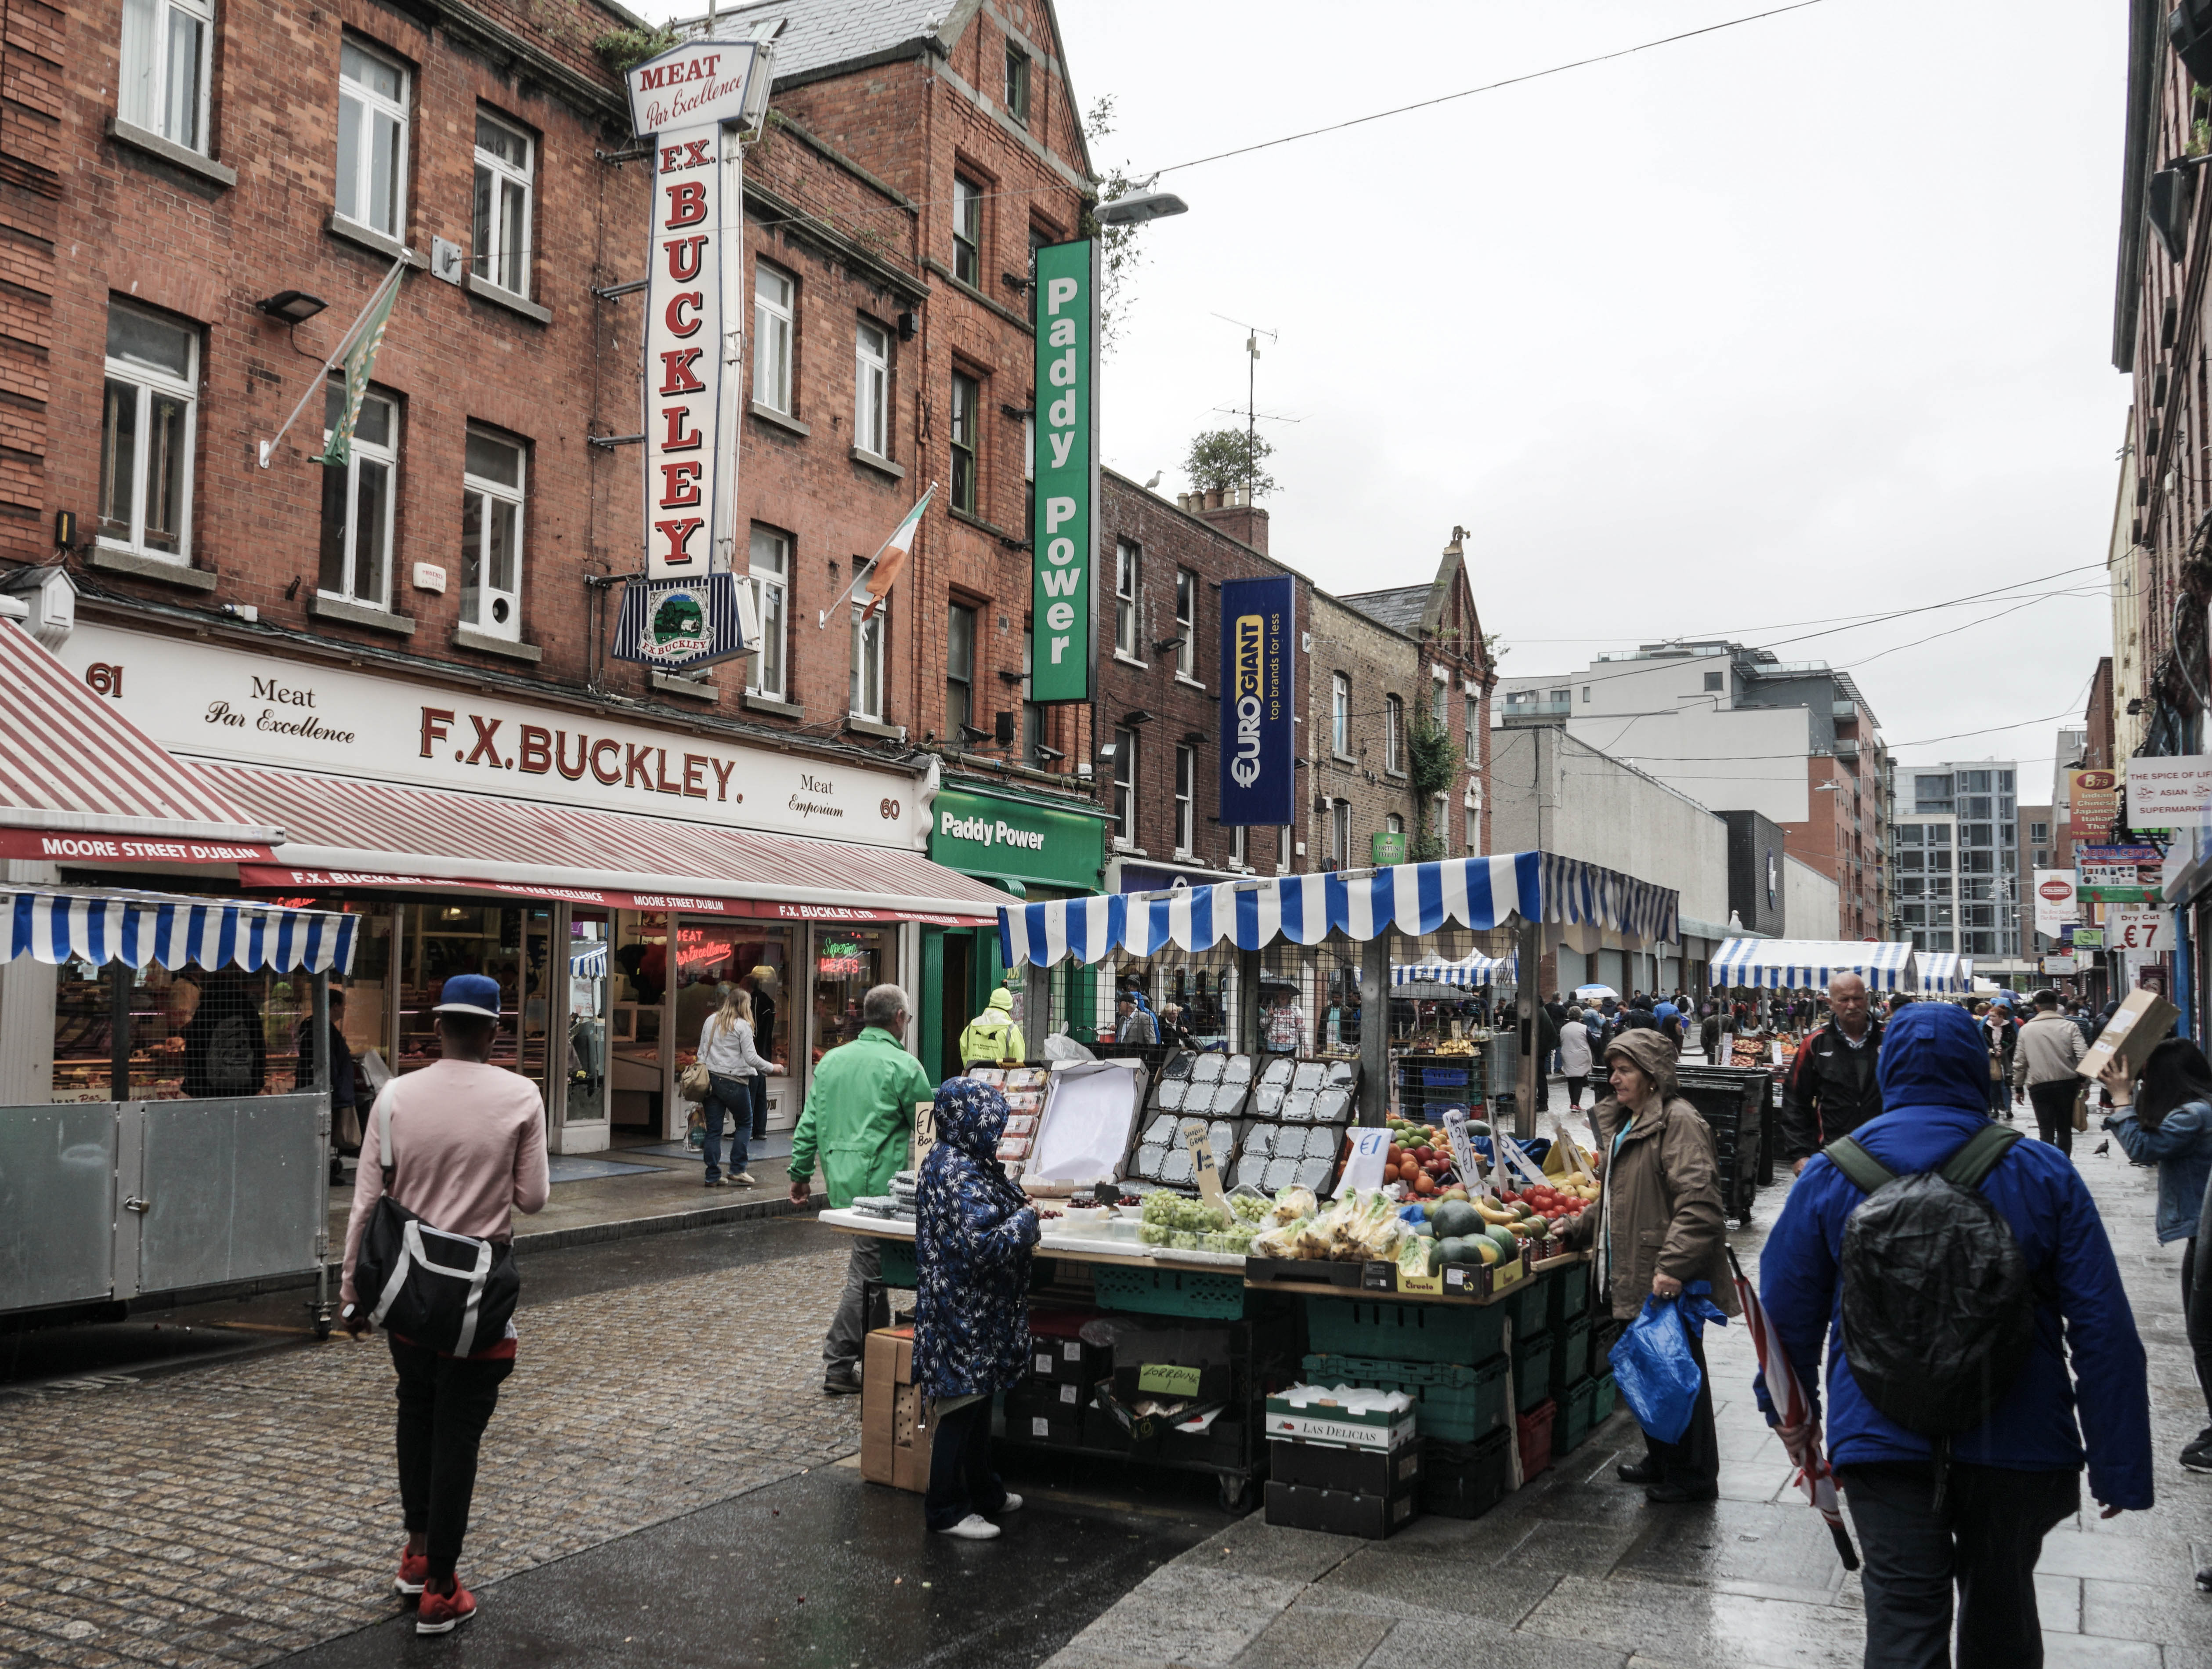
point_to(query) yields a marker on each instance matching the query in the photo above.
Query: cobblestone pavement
(233, 1513)
(1577, 1570)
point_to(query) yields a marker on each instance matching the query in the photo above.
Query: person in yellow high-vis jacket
(992, 1036)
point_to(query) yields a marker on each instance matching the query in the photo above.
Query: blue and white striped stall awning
(1801, 964)
(1943, 974)
(1417, 899)
(140, 927)
(589, 961)
(1477, 970)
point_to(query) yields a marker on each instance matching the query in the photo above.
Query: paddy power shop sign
(996, 837)
(690, 106)
(1064, 648)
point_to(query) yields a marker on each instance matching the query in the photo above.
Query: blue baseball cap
(469, 994)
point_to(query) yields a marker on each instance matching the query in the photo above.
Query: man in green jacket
(860, 1118)
(992, 1036)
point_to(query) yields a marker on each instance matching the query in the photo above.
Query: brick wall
(32, 78)
(1379, 664)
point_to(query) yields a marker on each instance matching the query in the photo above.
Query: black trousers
(1983, 1541)
(1574, 1090)
(445, 1403)
(2054, 1111)
(961, 1480)
(2197, 1316)
(1697, 1459)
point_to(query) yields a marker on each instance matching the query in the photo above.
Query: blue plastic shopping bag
(1652, 1366)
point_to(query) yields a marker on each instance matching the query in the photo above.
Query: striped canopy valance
(1476, 970)
(1417, 899)
(141, 927)
(1802, 964)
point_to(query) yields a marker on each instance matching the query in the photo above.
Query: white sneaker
(1013, 1503)
(973, 1528)
(745, 1179)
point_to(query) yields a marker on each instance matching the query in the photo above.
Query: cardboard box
(1327, 1422)
(894, 1439)
(1184, 1364)
(2137, 1027)
(1339, 1512)
(1357, 1471)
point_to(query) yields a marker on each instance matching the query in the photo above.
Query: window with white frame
(1237, 844)
(1186, 622)
(1440, 699)
(1393, 734)
(1473, 731)
(1029, 474)
(167, 48)
(1186, 799)
(1018, 84)
(493, 481)
(505, 167)
(358, 497)
(872, 388)
(967, 404)
(959, 673)
(1340, 835)
(1127, 566)
(1125, 786)
(1283, 850)
(774, 293)
(870, 632)
(371, 182)
(769, 557)
(967, 231)
(146, 435)
(1340, 713)
(1474, 829)
(1032, 714)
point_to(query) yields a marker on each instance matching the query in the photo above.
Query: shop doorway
(956, 1000)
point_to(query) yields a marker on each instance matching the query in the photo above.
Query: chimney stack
(1233, 512)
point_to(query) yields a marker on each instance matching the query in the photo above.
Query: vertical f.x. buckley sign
(1258, 678)
(687, 612)
(1063, 525)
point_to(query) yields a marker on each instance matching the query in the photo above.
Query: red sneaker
(414, 1572)
(441, 1613)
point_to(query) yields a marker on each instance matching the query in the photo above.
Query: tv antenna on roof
(1253, 333)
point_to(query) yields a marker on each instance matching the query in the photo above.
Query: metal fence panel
(235, 1189)
(56, 1203)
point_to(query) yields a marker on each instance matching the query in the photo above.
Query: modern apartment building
(1958, 860)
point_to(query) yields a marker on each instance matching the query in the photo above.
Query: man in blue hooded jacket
(2015, 1477)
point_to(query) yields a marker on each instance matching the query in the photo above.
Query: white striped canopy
(1944, 974)
(1806, 965)
(139, 927)
(1417, 899)
(1476, 970)
(589, 961)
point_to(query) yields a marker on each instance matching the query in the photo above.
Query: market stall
(159, 1164)
(1259, 1264)
(1945, 973)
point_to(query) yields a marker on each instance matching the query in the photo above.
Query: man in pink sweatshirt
(468, 1149)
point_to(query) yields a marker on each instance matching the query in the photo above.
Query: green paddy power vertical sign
(1063, 531)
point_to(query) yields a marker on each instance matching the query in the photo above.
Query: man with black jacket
(1832, 1089)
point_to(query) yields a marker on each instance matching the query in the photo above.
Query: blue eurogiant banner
(1259, 677)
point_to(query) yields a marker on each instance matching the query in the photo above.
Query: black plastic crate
(1463, 1480)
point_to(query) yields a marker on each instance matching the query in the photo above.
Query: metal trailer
(104, 1202)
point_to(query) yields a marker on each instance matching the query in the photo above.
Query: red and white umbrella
(1797, 1431)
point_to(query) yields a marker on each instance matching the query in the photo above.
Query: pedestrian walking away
(973, 1232)
(1659, 1227)
(1964, 1510)
(991, 1039)
(2043, 1059)
(468, 1150)
(1575, 1056)
(858, 1120)
(1832, 1088)
(2165, 1120)
(736, 1075)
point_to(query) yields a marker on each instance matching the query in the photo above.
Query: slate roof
(1402, 609)
(823, 35)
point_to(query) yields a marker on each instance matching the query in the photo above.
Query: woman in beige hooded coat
(1658, 1228)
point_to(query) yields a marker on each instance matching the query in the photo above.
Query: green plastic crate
(1570, 1353)
(1530, 1304)
(897, 1265)
(1601, 1399)
(1391, 1331)
(1569, 1286)
(1168, 1291)
(1578, 1407)
(1532, 1371)
(1455, 1403)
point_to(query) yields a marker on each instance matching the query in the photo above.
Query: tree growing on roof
(1224, 458)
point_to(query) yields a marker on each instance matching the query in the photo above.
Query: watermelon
(1455, 1218)
(1503, 1239)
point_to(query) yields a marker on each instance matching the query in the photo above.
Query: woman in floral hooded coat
(973, 1232)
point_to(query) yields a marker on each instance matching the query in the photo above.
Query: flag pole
(822, 620)
(268, 446)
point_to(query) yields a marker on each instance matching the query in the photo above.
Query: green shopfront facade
(1036, 847)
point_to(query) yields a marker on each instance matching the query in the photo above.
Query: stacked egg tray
(1301, 1110)
(1216, 1089)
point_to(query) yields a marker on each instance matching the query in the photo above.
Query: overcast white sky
(1805, 318)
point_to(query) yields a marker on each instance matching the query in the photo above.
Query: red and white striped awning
(353, 834)
(81, 784)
